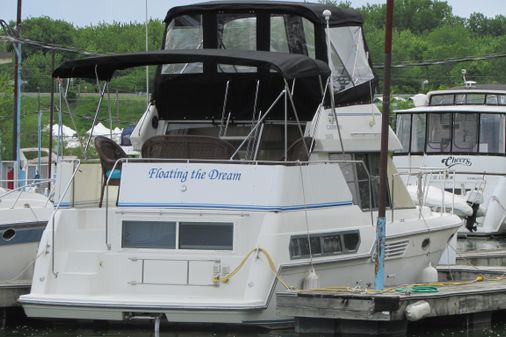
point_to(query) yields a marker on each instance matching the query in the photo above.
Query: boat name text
(199, 174)
(452, 161)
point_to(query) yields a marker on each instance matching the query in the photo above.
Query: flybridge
(273, 26)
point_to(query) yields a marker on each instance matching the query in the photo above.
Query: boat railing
(31, 186)
(426, 177)
(57, 204)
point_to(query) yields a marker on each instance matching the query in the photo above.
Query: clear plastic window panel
(237, 31)
(465, 132)
(492, 128)
(349, 60)
(279, 40)
(148, 234)
(404, 130)
(184, 32)
(439, 133)
(418, 132)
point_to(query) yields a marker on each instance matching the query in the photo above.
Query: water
(31, 328)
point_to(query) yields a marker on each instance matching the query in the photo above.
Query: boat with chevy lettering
(461, 130)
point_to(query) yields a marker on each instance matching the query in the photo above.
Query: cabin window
(460, 132)
(357, 178)
(465, 132)
(418, 133)
(324, 244)
(442, 100)
(183, 235)
(439, 132)
(492, 128)
(404, 130)
(149, 234)
(206, 235)
(184, 32)
(475, 99)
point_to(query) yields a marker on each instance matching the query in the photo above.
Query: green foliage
(6, 108)
(424, 30)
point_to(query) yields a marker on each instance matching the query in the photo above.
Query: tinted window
(206, 235)
(149, 234)
(324, 244)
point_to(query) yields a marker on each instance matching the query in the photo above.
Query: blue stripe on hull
(235, 207)
(21, 233)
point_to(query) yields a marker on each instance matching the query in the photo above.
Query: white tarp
(101, 130)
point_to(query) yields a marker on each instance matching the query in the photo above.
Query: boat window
(460, 99)
(357, 178)
(206, 235)
(324, 244)
(279, 40)
(236, 31)
(350, 66)
(465, 132)
(403, 130)
(438, 135)
(475, 99)
(184, 32)
(309, 37)
(442, 99)
(418, 133)
(351, 241)
(492, 128)
(149, 234)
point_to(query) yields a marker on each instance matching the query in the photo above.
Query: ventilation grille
(395, 249)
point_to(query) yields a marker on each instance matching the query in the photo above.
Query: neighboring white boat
(462, 131)
(23, 217)
(249, 180)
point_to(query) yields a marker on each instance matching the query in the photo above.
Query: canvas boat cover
(290, 66)
(200, 96)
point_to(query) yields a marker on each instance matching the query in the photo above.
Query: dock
(10, 292)
(478, 292)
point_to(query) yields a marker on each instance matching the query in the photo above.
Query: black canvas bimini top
(199, 95)
(289, 66)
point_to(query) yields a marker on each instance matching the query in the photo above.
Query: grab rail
(57, 207)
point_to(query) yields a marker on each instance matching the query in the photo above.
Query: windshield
(459, 132)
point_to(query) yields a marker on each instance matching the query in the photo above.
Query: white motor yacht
(461, 130)
(249, 178)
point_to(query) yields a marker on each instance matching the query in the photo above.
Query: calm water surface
(90, 330)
